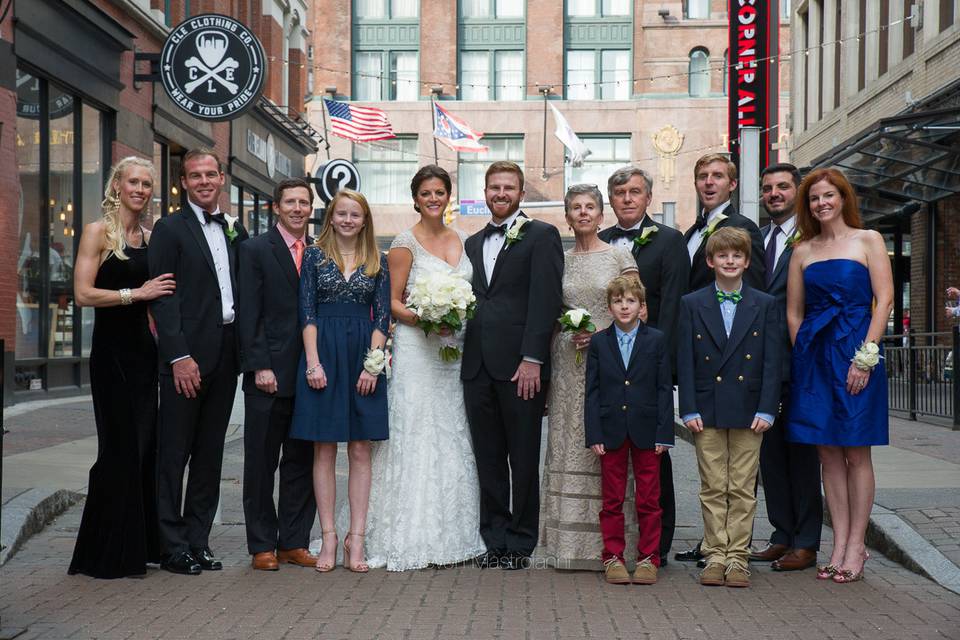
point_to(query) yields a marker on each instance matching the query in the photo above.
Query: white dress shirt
(624, 241)
(217, 241)
(697, 238)
(786, 231)
(492, 245)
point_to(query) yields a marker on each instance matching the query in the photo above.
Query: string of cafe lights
(776, 59)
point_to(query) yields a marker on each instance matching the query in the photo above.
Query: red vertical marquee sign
(753, 83)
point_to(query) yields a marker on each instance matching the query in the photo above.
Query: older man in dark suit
(790, 471)
(270, 348)
(661, 257)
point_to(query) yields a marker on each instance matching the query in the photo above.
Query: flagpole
(545, 90)
(326, 134)
(434, 92)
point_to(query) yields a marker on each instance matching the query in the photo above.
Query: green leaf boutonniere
(793, 239)
(706, 233)
(231, 228)
(644, 237)
(515, 232)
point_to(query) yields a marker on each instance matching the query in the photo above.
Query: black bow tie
(214, 217)
(493, 229)
(624, 233)
(701, 221)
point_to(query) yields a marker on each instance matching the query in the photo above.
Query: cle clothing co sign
(212, 66)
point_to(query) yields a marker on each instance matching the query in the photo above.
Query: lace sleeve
(404, 240)
(625, 259)
(381, 298)
(308, 286)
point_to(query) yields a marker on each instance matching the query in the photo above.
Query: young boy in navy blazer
(728, 365)
(628, 411)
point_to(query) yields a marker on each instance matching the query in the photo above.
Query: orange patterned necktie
(298, 251)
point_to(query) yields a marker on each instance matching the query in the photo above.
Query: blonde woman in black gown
(118, 533)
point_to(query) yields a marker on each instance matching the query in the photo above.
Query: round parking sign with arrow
(335, 175)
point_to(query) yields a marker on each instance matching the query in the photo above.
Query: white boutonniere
(515, 233)
(793, 239)
(375, 362)
(231, 228)
(706, 233)
(644, 237)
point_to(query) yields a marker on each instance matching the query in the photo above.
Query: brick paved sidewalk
(462, 602)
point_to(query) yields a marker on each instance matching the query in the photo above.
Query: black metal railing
(921, 378)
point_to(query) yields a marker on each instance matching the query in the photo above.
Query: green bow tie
(734, 297)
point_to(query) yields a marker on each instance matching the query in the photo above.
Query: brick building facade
(619, 71)
(70, 107)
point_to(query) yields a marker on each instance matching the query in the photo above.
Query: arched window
(699, 73)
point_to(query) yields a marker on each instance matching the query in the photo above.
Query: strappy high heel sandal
(360, 567)
(826, 572)
(325, 567)
(843, 576)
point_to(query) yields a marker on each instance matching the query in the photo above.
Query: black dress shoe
(663, 559)
(206, 560)
(181, 562)
(492, 559)
(515, 560)
(690, 555)
(701, 563)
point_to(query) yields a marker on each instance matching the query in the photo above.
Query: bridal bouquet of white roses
(577, 320)
(442, 300)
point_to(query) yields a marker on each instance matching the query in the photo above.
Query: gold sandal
(360, 567)
(324, 568)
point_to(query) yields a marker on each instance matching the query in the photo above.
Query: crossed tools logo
(212, 66)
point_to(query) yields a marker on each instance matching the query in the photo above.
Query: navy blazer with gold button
(636, 400)
(729, 380)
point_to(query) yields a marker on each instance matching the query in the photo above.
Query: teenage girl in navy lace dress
(344, 312)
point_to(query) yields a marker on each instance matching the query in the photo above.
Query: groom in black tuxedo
(661, 256)
(517, 275)
(270, 348)
(198, 360)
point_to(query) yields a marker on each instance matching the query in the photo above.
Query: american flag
(360, 124)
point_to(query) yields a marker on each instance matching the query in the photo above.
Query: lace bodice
(426, 262)
(322, 283)
(585, 279)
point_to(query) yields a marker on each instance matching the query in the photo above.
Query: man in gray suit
(790, 471)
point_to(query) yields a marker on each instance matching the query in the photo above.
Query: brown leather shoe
(299, 557)
(265, 561)
(770, 553)
(795, 560)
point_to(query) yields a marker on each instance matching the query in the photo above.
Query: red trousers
(613, 480)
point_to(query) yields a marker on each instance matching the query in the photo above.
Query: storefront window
(91, 193)
(61, 211)
(29, 276)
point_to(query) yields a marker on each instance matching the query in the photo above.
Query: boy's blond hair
(728, 239)
(622, 285)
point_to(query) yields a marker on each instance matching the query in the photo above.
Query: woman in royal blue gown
(839, 296)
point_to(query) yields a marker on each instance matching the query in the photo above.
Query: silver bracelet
(126, 297)
(313, 370)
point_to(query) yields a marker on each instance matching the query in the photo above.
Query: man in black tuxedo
(715, 178)
(198, 360)
(517, 275)
(790, 471)
(270, 348)
(661, 257)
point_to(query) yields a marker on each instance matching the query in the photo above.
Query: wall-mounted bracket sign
(213, 67)
(335, 175)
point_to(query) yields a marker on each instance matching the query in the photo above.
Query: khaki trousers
(728, 461)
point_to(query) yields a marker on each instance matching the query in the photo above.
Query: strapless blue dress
(838, 299)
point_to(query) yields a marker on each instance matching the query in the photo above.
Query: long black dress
(118, 533)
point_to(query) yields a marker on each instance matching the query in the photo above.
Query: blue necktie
(626, 342)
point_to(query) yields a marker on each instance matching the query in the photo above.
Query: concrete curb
(889, 534)
(28, 513)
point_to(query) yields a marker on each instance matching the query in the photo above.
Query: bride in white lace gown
(424, 499)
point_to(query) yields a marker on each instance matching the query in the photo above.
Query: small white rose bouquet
(442, 300)
(515, 233)
(577, 320)
(867, 356)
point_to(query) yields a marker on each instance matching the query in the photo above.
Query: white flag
(564, 132)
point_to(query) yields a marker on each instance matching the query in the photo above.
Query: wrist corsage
(375, 362)
(867, 356)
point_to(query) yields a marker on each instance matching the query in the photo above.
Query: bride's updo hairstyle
(807, 224)
(425, 173)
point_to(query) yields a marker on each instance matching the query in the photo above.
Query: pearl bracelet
(312, 370)
(126, 297)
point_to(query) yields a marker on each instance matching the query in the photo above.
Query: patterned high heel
(325, 567)
(843, 576)
(826, 572)
(360, 567)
